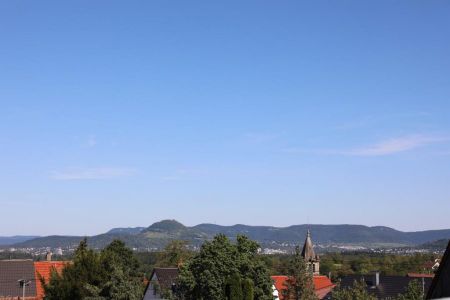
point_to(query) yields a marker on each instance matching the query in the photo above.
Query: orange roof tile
(44, 269)
(322, 284)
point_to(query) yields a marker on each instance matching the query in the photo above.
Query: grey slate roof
(166, 276)
(13, 270)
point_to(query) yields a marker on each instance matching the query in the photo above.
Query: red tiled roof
(44, 269)
(321, 282)
(279, 281)
(322, 285)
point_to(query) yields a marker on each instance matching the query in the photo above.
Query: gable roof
(388, 287)
(440, 287)
(322, 285)
(13, 270)
(166, 277)
(44, 269)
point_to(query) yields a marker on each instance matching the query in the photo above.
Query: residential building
(44, 269)
(161, 279)
(13, 271)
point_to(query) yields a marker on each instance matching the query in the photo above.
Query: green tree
(414, 291)
(357, 292)
(233, 288)
(122, 279)
(110, 274)
(174, 254)
(247, 289)
(206, 275)
(299, 285)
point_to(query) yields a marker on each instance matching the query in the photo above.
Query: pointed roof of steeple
(308, 250)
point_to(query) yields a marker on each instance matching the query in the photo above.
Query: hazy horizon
(192, 225)
(123, 114)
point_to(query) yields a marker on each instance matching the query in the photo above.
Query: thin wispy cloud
(372, 120)
(91, 173)
(385, 147)
(396, 145)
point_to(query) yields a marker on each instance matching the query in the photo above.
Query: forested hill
(159, 234)
(9, 240)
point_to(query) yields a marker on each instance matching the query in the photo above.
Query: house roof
(440, 287)
(166, 277)
(44, 269)
(389, 286)
(322, 285)
(13, 270)
(420, 275)
(308, 250)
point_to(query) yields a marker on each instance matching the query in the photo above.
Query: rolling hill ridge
(157, 235)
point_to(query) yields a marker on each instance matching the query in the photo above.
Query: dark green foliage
(147, 261)
(174, 254)
(357, 292)
(347, 263)
(233, 289)
(111, 274)
(299, 285)
(206, 275)
(414, 291)
(247, 289)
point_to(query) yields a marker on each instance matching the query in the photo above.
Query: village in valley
(177, 272)
(224, 150)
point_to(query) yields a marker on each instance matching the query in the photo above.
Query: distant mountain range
(10, 240)
(159, 234)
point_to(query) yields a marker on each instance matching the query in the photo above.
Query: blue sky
(121, 113)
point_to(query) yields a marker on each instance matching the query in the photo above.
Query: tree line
(221, 270)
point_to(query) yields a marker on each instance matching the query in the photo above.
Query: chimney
(376, 281)
(48, 257)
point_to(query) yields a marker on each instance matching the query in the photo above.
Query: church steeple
(311, 259)
(308, 250)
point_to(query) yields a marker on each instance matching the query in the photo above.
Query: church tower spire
(312, 260)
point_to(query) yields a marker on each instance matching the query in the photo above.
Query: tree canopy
(220, 269)
(299, 285)
(174, 254)
(109, 274)
(414, 291)
(357, 292)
